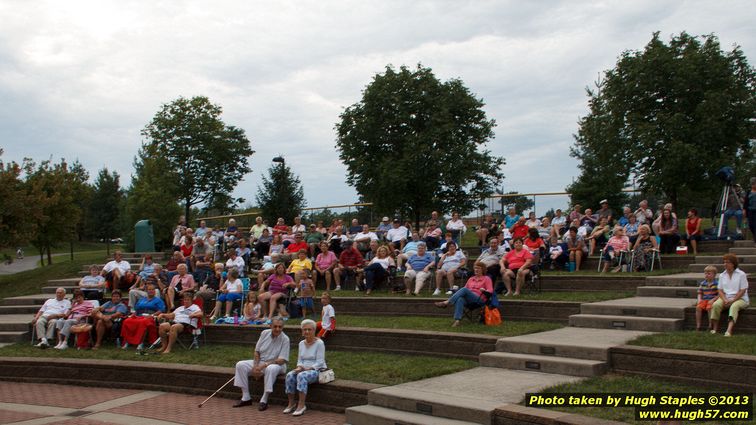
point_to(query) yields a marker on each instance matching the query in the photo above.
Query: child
(708, 292)
(307, 289)
(555, 251)
(252, 309)
(327, 324)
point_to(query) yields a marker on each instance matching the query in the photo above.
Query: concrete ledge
(399, 341)
(514, 414)
(189, 379)
(746, 320)
(735, 371)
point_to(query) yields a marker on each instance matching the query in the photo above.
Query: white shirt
(366, 236)
(644, 216)
(312, 356)
(122, 265)
(182, 315)
(298, 228)
(53, 306)
(238, 263)
(235, 286)
(396, 234)
(328, 313)
(731, 285)
(456, 225)
(558, 221)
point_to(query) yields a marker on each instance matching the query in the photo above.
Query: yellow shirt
(297, 265)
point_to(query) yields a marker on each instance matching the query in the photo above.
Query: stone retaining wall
(189, 379)
(732, 371)
(746, 320)
(513, 414)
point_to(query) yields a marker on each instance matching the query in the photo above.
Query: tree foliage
(520, 203)
(105, 208)
(414, 144)
(16, 219)
(670, 116)
(280, 195)
(208, 157)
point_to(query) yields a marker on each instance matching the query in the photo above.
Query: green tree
(208, 157)
(414, 144)
(670, 115)
(520, 202)
(153, 195)
(83, 192)
(280, 195)
(52, 188)
(105, 208)
(17, 226)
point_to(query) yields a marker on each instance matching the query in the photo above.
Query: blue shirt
(623, 221)
(110, 308)
(510, 221)
(418, 263)
(146, 305)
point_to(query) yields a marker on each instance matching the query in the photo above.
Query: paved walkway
(36, 404)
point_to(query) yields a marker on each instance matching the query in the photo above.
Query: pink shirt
(324, 261)
(81, 311)
(619, 243)
(477, 284)
(515, 259)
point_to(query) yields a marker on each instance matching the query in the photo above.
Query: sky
(80, 80)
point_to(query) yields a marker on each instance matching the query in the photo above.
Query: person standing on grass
(708, 293)
(733, 294)
(270, 357)
(327, 324)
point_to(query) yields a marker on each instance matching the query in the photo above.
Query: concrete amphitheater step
(579, 343)
(678, 279)
(699, 268)
(376, 415)
(742, 251)
(15, 322)
(633, 323)
(745, 243)
(717, 259)
(18, 309)
(471, 395)
(667, 291)
(545, 364)
(68, 281)
(36, 299)
(12, 337)
(640, 307)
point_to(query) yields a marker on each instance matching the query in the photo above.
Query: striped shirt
(708, 290)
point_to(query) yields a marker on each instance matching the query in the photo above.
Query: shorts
(231, 296)
(705, 305)
(306, 302)
(688, 237)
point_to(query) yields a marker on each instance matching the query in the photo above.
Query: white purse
(325, 376)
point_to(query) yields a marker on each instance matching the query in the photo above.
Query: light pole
(279, 159)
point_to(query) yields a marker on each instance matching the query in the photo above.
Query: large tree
(209, 158)
(280, 195)
(414, 144)
(105, 208)
(670, 115)
(16, 218)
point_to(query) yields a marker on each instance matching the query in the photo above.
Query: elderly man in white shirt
(397, 235)
(116, 269)
(270, 359)
(52, 310)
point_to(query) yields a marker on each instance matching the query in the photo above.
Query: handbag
(325, 376)
(492, 316)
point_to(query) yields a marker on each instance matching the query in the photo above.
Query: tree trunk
(49, 256)
(187, 209)
(42, 257)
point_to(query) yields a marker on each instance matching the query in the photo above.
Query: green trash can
(144, 238)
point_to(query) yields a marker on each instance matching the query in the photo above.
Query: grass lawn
(571, 296)
(30, 282)
(622, 384)
(377, 368)
(702, 341)
(440, 324)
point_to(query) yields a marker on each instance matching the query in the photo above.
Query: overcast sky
(79, 80)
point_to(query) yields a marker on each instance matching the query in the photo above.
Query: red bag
(492, 316)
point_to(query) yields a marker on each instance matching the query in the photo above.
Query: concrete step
(742, 251)
(13, 337)
(69, 281)
(578, 343)
(376, 415)
(744, 244)
(18, 309)
(717, 259)
(699, 268)
(678, 279)
(633, 323)
(546, 364)
(15, 322)
(640, 306)
(36, 299)
(667, 291)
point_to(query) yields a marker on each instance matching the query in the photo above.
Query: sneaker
(449, 292)
(357, 287)
(338, 288)
(713, 332)
(42, 344)
(62, 346)
(507, 294)
(740, 232)
(437, 292)
(123, 347)
(140, 347)
(728, 334)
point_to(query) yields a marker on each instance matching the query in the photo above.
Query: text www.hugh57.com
(691, 415)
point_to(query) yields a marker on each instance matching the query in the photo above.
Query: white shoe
(437, 292)
(449, 292)
(728, 334)
(289, 409)
(508, 294)
(738, 231)
(338, 288)
(42, 344)
(62, 346)
(299, 412)
(124, 346)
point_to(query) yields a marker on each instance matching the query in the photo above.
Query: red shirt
(534, 244)
(187, 250)
(691, 224)
(515, 259)
(477, 284)
(351, 258)
(294, 247)
(280, 229)
(520, 231)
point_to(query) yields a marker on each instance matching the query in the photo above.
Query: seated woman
(733, 294)
(448, 265)
(485, 228)
(158, 278)
(181, 283)
(310, 360)
(545, 230)
(614, 246)
(377, 269)
(277, 286)
(299, 264)
(456, 226)
(93, 286)
(576, 247)
(267, 269)
(263, 244)
(185, 316)
(643, 249)
(693, 229)
(276, 245)
(142, 322)
(631, 228)
(515, 265)
(475, 293)
(532, 220)
(210, 287)
(80, 310)
(669, 233)
(599, 235)
(106, 315)
(230, 291)
(535, 244)
(324, 265)
(418, 269)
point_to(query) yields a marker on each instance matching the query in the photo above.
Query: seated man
(490, 257)
(383, 228)
(93, 286)
(107, 315)
(270, 358)
(354, 229)
(51, 311)
(515, 265)
(397, 235)
(142, 322)
(186, 315)
(350, 262)
(147, 267)
(158, 278)
(293, 248)
(115, 270)
(313, 239)
(410, 249)
(363, 239)
(558, 224)
(485, 229)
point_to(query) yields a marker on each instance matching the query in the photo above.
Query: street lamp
(279, 159)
